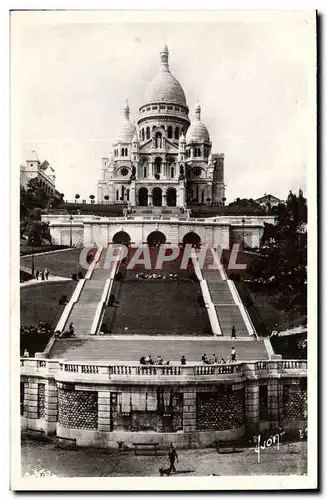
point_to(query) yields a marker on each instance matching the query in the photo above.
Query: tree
(106, 197)
(92, 198)
(77, 197)
(285, 247)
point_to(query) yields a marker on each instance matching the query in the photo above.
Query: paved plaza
(88, 462)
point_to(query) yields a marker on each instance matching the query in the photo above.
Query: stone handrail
(72, 370)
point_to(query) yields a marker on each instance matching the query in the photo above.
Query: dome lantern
(164, 55)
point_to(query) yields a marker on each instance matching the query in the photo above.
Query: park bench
(226, 445)
(152, 446)
(61, 439)
(36, 433)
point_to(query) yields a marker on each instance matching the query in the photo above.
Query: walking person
(46, 274)
(172, 454)
(233, 355)
(42, 276)
(233, 332)
(37, 272)
(183, 360)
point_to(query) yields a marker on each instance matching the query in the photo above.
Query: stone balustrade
(69, 370)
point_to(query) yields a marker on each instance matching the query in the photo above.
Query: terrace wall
(223, 231)
(192, 406)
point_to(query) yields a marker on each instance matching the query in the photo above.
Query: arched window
(122, 151)
(202, 196)
(117, 195)
(126, 151)
(142, 134)
(195, 152)
(157, 163)
(148, 132)
(197, 193)
(144, 172)
(177, 133)
(199, 152)
(127, 194)
(170, 132)
(172, 172)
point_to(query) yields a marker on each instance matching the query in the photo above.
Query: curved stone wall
(192, 406)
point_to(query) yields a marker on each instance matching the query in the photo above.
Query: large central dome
(164, 86)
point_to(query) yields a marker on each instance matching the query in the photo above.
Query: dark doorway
(122, 238)
(156, 238)
(171, 197)
(157, 197)
(143, 197)
(192, 239)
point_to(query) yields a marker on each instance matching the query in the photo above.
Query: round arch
(122, 238)
(143, 197)
(171, 197)
(157, 197)
(156, 238)
(192, 238)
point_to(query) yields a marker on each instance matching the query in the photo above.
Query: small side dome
(197, 132)
(135, 139)
(127, 129)
(182, 139)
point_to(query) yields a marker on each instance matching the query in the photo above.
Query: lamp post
(33, 265)
(71, 231)
(243, 222)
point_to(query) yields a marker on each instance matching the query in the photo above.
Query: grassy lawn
(63, 263)
(40, 302)
(27, 249)
(260, 301)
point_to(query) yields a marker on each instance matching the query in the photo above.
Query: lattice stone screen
(219, 410)
(78, 409)
(295, 402)
(41, 401)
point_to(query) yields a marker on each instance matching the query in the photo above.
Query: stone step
(130, 350)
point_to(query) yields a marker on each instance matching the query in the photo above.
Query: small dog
(165, 471)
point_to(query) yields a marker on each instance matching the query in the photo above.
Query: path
(88, 462)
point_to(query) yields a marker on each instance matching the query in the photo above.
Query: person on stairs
(233, 332)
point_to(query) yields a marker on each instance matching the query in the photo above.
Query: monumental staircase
(227, 303)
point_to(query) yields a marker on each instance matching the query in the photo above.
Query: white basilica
(163, 160)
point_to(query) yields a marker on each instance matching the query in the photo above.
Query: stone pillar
(189, 411)
(181, 200)
(31, 400)
(87, 234)
(164, 200)
(273, 403)
(104, 411)
(111, 192)
(51, 407)
(132, 194)
(280, 400)
(252, 407)
(150, 199)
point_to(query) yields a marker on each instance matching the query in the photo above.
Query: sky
(71, 75)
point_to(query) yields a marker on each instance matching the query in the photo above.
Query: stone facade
(223, 231)
(188, 406)
(163, 160)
